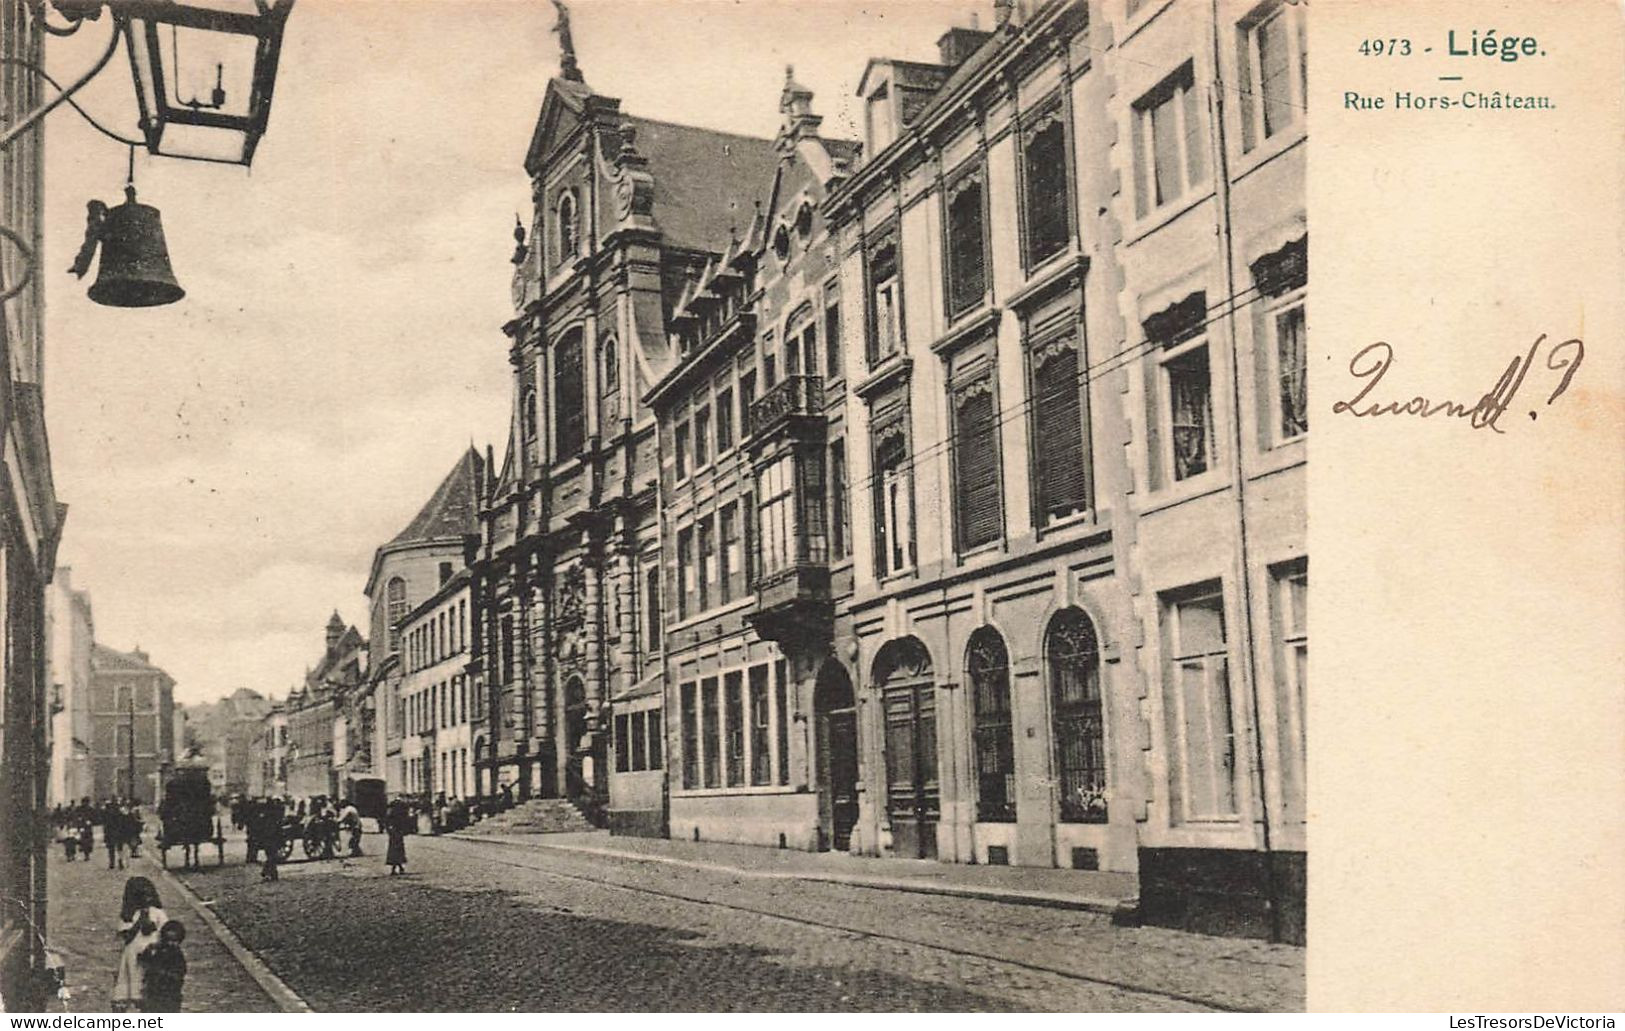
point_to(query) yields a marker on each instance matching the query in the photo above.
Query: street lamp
(203, 74)
(177, 48)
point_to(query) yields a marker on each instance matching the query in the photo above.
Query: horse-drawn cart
(187, 818)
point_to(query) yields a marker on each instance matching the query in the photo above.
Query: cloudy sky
(232, 461)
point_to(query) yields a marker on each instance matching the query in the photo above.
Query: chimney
(957, 44)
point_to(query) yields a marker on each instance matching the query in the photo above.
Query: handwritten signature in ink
(1373, 361)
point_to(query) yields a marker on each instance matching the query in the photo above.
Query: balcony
(793, 604)
(792, 408)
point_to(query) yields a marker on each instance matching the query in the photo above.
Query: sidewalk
(82, 921)
(1025, 885)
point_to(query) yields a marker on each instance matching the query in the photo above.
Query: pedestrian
(69, 837)
(133, 826)
(113, 836)
(164, 970)
(87, 838)
(350, 820)
(395, 824)
(140, 919)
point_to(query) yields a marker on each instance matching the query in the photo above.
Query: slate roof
(105, 658)
(451, 511)
(705, 181)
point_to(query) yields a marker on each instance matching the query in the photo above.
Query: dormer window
(804, 220)
(567, 235)
(781, 243)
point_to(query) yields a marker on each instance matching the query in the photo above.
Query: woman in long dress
(140, 919)
(395, 824)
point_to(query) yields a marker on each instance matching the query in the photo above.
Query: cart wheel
(313, 845)
(285, 850)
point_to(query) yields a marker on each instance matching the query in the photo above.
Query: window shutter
(1063, 486)
(1047, 199)
(965, 253)
(977, 484)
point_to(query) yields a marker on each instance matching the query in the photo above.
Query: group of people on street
(119, 818)
(274, 823)
(152, 964)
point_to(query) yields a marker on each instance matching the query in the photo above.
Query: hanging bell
(134, 270)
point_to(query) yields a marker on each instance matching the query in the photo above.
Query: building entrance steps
(536, 816)
(1094, 891)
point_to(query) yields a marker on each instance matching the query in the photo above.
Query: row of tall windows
(445, 633)
(735, 729)
(1045, 219)
(1181, 388)
(714, 420)
(638, 744)
(441, 705)
(714, 560)
(1170, 144)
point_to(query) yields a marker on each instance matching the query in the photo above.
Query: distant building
(435, 707)
(227, 734)
(414, 566)
(313, 711)
(71, 633)
(132, 708)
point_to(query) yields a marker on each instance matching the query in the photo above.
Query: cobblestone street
(479, 925)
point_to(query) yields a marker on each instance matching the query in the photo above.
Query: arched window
(395, 611)
(529, 415)
(987, 668)
(1073, 657)
(568, 235)
(609, 379)
(569, 390)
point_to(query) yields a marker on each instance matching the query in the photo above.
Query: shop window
(712, 725)
(1290, 609)
(780, 697)
(761, 757)
(1198, 702)
(691, 736)
(734, 727)
(623, 745)
(640, 742)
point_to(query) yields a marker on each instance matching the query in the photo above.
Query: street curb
(286, 998)
(1050, 900)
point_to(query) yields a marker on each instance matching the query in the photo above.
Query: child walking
(165, 970)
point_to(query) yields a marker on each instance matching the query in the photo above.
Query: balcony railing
(792, 397)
